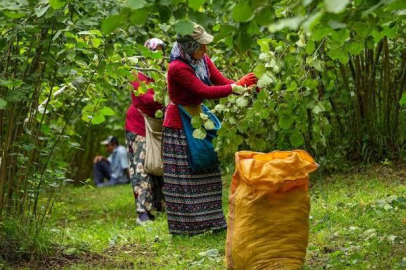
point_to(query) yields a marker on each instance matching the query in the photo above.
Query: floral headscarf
(153, 43)
(184, 51)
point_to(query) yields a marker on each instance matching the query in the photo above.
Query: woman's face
(200, 52)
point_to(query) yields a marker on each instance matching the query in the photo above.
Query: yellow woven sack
(268, 220)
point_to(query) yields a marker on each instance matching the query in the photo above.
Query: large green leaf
(111, 23)
(259, 70)
(184, 27)
(296, 139)
(136, 4)
(289, 23)
(139, 16)
(336, 6)
(107, 111)
(265, 17)
(3, 104)
(195, 4)
(14, 15)
(264, 80)
(57, 4)
(98, 119)
(242, 12)
(41, 10)
(285, 121)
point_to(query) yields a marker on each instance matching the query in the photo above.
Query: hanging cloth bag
(201, 154)
(153, 137)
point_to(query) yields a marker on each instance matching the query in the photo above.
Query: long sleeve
(216, 77)
(185, 78)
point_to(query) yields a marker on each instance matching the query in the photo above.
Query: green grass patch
(357, 222)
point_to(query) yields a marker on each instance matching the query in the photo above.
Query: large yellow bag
(268, 220)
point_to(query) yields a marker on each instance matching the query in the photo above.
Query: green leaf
(242, 12)
(14, 15)
(111, 23)
(45, 129)
(402, 101)
(257, 144)
(29, 147)
(319, 33)
(159, 114)
(259, 70)
(265, 80)
(107, 111)
(199, 134)
(197, 122)
(263, 95)
(195, 4)
(336, 6)
(139, 16)
(3, 104)
(285, 121)
(264, 44)
(242, 102)
(184, 27)
(96, 42)
(136, 4)
(340, 35)
(290, 23)
(292, 87)
(292, 37)
(311, 84)
(11, 83)
(265, 17)
(296, 139)
(243, 41)
(336, 25)
(98, 119)
(355, 48)
(310, 47)
(40, 11)
(340, 54)
(57, 4)
(209, 125)
(317, 109)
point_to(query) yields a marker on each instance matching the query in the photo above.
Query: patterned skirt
(193, 199)
(147, 188)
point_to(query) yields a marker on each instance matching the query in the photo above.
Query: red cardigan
(134, 121)
(186, 89)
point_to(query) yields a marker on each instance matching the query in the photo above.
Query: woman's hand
(247, 80)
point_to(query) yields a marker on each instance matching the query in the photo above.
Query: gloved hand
(247, 80)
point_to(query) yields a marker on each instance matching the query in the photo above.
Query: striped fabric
(193, 200)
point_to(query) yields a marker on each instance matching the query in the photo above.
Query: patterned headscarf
(153, 43)
(184, 51)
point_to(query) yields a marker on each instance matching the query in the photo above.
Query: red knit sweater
(134, 121)
(186, 89)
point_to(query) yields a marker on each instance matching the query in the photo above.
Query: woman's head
(155, 44)
(196, 43)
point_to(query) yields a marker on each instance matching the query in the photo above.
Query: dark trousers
(101, 170)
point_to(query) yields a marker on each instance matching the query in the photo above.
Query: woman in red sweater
(147, 188)
(193, 199)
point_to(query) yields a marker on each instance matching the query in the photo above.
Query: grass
(357, 222)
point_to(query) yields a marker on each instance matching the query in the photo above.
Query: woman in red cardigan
(193, 199)
(147, 188)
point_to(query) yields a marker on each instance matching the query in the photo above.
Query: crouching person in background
(113, 168)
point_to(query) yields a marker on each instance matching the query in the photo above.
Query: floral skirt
(147, 188)
(193, 200)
